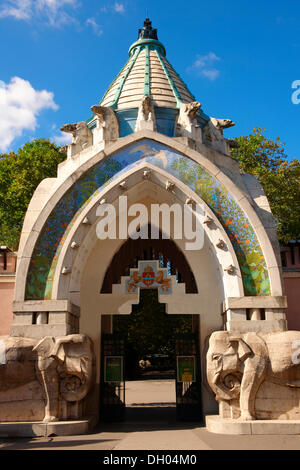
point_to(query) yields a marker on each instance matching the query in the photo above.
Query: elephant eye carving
(216, 357)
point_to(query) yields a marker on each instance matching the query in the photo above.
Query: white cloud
(205, 66)
(119, 7)
(52, 11)
(62, 139)
(212, 74)
(18, 9)
(20, 105)
(96, 28)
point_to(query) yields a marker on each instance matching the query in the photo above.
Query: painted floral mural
(53, 235)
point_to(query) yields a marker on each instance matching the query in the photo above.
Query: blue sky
(239, 58)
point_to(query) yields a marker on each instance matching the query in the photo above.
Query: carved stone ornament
(65, 270)
(221, 244)
(242, 366)
(147, 174)
(190, 201)
(86, 221)
(187, 123)
(213, 133)
(107, 124)
(123, 185)
(221, 124)
(82, 136)
(170, 186)
(208, 220)
(146, 115)
(230, 269)
(61, 367)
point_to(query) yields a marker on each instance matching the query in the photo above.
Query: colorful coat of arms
(149, 275)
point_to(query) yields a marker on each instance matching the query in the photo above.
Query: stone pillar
(255, 314)
(41, 318)
(35, 319)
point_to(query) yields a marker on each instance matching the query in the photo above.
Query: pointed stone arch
(50, 193)
(84, 234)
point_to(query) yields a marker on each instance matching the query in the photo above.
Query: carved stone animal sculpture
(238, 364)
(62, 365)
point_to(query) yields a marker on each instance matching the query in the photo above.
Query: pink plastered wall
(291, 276)
(7, 285)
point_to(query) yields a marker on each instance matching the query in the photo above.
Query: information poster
(186, 369)
(113, 369)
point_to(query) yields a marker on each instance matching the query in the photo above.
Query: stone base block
(219, 425)
(40, 429)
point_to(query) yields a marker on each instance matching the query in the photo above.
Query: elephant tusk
(216, 378)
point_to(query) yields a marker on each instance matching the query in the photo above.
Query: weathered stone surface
(261, 371)
(107, 125)
(187, 125)
(219, 425)
(37, 376)
(22, 410)
(213, 134)
(81, 137)
(146, 116)
(38, 429)
(262, 301)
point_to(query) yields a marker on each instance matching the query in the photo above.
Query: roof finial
(147, 32)
(147, 13)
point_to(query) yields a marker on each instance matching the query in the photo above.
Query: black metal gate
(188, 378)
(112, 393)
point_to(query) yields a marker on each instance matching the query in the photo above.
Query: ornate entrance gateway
(148, 140)
(141, 334)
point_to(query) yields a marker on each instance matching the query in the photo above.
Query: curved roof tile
(147, 73)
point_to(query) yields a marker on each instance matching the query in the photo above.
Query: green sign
(186, 369)
(113, 369)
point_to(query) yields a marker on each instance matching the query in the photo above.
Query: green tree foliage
(20, 174)
(280, 178)
(149, 330)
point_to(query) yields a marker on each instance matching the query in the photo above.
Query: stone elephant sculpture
(238, 364)
(62, 365)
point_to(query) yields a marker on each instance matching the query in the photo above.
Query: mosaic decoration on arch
(59, 223)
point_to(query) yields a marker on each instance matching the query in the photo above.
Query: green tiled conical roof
(147, 73)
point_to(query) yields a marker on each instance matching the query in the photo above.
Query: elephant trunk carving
(50, 372)
(47, 375)
(238, 365)
(75, 385)
(64, 368)
(225, 387)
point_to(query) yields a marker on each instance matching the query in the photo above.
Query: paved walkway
(151, 425)
(153, 437)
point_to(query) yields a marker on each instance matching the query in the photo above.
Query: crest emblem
(148, 276)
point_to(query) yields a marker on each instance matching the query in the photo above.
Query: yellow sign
(187, 377)
(186, 368)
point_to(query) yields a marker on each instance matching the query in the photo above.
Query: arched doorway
(151, 344)
(164, 250)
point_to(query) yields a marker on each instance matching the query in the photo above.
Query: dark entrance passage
(150, 338)
(164, 250)
(150, 345)
(157, 355)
